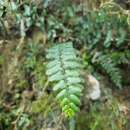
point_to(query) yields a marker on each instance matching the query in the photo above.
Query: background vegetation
(99, 30)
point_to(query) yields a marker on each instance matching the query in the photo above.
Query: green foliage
(64, 69)
(34, 63)
(109, 66)
(31, 60)
(14, 118)
(121, 57)
(43, 105)
(104, 116)
(23, 121)
(101, 28)
(104, 30)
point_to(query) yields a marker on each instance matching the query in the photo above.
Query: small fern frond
(110, 67)
(64, 69)
(121, 57)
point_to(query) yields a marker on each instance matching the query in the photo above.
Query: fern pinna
(64, 69)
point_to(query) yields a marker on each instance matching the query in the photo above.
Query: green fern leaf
(64, 69)
(110, 67)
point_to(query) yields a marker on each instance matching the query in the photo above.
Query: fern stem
(72, 124)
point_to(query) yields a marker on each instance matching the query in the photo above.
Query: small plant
(64, 69)
(109, 66)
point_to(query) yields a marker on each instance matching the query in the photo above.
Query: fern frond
(64, 69)
(121, 57)
(110, 67)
